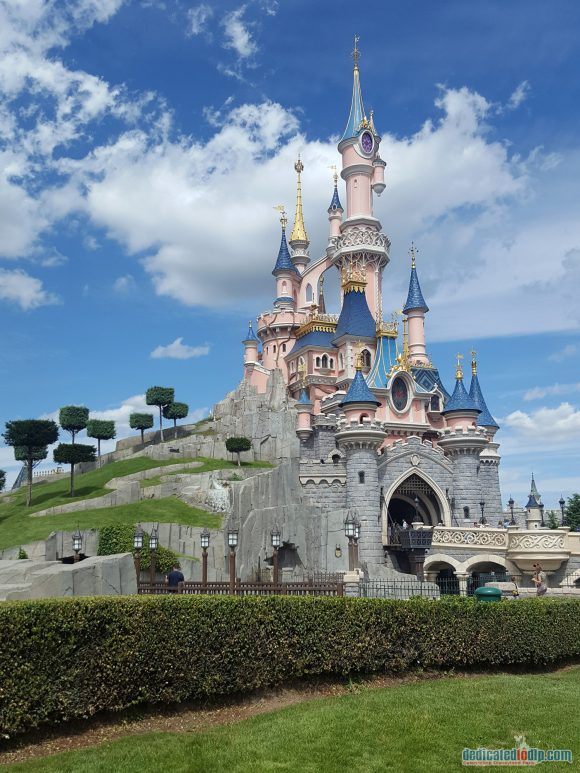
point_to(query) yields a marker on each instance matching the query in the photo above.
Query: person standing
(540, 580)
(173, 579)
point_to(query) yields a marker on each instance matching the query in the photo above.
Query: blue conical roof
(415, 300)
(250, 336)
(357, 110)
(355, 317)
(359, 392)
(335, 202)
(284, 261)
(485, 419)
(460, 400)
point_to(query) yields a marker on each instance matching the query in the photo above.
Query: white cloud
(124, 284)
(237, 33)
(556, 427)
(519, 95)
(179, 351)
(537, 393)
(54, 259)
(565, 353)
(25, 290)
(198, 18)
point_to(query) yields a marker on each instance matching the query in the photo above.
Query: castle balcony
(362, 239)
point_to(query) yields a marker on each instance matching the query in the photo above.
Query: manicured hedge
(67, 658)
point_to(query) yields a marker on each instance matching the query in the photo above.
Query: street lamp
(350, 531)
(204, 536)
(511, 504)
(153, 545)
(482, 520)
(232, 543)
(562, 502)
(77, 541)
(276, 542)
(416, 500)
(542, 522)
(137, 547)
(355, 545)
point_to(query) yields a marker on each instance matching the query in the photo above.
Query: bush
(118, 538)
(22, 554)
(68, 658)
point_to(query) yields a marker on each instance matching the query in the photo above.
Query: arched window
(318, 362)
(309, 293)
(366, 358)
(283, 347)
(292, 366)
(274, 348)
(331, 363)
(301, 361)
(362, 417)
(335, 458)
(324, 361)
(361, 477)
(341, 361)
(284, 288)
(435, 403)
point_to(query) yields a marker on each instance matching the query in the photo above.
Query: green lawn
(16, 527)
(207, 465)
(412, 728)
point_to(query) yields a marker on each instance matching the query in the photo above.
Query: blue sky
(144, 144)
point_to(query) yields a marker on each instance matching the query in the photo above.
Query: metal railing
(310, 588)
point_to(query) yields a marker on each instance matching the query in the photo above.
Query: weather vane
(413, 253)
(282, 210)
(356, 52)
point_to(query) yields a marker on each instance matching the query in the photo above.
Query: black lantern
(357, 530)
(276, 537)
(562, 503)
(511, 504)
(483, 519)
(233, 539)
(204, 536)
(350, 526)
(138, 538)
(154, 540)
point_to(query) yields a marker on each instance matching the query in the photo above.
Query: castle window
(466, 512)
(301, 361)
(283, 347)
(284, 288)
(341, 360)
(324, 361)
(318, 362)
(363, 416)
(331, 363)
(366, 358)
(274, 348)
(435, 403)
(335, 458)
(309, 293)
(361, 477)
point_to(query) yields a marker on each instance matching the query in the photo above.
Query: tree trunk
(161, 423)
(142, 436)
(29, 493)
(175, 429)
(99, 451)
(72, 480)
(239, 463)
(73, 432)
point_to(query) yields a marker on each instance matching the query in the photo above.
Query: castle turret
(355, 323)
(489, 457)
(335, 210)
(250, 346)
(285, 272)
(485, 419)
(534, 507)
(299, 238)
(304, 409)
(415, 309)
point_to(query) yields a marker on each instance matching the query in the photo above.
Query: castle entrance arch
(413, 497)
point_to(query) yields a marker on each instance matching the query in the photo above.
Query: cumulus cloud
(237, 33)
(124, 284)
(198, 18)
(179, 351)
(519, 95)
(24, 290)
(537, 393)
(555, 426)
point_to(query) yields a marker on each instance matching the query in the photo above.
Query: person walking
(539, 579)
(173, 578)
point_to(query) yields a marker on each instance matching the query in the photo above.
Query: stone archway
(399, 502)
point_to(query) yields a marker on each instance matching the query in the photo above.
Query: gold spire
(459, 371)
(413, 253)
(283, 219)
(298, 231)
(474, 362)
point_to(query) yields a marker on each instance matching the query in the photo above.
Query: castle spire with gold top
(299, 238)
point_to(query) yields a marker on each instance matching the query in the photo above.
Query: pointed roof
(299, 229)
(321, 301)
(415, 300)
(459, 400)
(284, 261)
(355, 317)
(485, 419)
(359, 392)
(250, 336)
(357, 116)
(335, 201)
(534, 499)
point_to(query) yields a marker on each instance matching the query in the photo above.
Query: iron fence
(310, 588)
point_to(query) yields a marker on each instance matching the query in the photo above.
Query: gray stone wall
(467, 487)
(363, 500)
(490, 491)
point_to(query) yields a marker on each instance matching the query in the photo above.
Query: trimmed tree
(175, 411)
(73, 419)
(100, 430)
(235, 445)
(27, 437)
(573, 512)
(141, 421)
(161, 397)
(69, 453)
(2, 479)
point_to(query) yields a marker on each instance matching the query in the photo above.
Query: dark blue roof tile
(284, 261)
(335, 202)
(355, 317)
(485, 419)
(415, 298)
(460, 400)
(359, 392)
(315, 338)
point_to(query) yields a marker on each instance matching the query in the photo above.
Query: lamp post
(511, 504)
(232, 543)
(542, 522)
(355, 545)
(562, 502)
(204, 546)
(276, 542)
(77, 541)
(153, 545)
(350, 532)
(137, 547)
(482, 520)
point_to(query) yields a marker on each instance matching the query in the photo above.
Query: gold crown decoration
(474, 362)
(353, 278)
(459, 370)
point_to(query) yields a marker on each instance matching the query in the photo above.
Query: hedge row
(67, 658)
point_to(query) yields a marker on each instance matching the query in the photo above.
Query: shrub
(235, 445)
(68, 658)
(118, 538)
(22, 554)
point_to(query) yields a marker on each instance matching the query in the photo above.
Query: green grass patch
(207, 465)
(410, 728)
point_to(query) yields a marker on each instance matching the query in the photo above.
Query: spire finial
(283, 219)
(334, 174)
(459, 371)
(299, 230)
(413, 253)
(356, 52)
(474, 362)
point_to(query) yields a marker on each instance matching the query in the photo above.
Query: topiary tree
(2, 479)
(235, 445)
(69, 453)
(73, 419)
(161, 397)
(141, 421)
(22, 554)
(100, 430)
(573, 512)
(27, 437)
(176, 411)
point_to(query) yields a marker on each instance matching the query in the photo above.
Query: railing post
(232, 571)
(204, 568)
(276, 577)
(462, 577)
